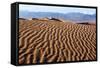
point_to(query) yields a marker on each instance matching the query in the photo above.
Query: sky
(55, 9)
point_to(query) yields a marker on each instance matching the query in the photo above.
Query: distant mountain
(68, 16)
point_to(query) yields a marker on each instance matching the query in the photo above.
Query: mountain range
(77, 17)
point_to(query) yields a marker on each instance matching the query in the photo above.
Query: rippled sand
(44, 41)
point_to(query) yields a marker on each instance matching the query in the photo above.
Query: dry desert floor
(47, 41)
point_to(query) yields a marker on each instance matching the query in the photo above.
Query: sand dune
(44, 41)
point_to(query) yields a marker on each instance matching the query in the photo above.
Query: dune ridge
(45, 41)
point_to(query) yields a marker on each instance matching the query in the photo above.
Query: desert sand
(46, 41)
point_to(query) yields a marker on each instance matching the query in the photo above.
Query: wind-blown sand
(44, 41)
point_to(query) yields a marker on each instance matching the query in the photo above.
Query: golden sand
(44, 41)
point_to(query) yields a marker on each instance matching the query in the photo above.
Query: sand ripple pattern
(53, 41)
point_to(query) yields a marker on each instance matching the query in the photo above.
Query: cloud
(55, 9)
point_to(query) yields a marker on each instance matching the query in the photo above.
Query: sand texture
(46, 41)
